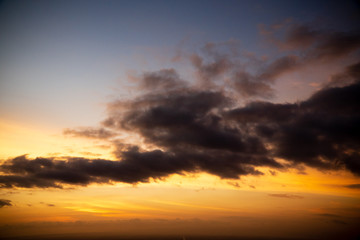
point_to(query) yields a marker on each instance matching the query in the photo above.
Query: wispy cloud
(315, 44)
(284, 195)
(98, 133)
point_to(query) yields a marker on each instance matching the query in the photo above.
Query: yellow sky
(18, 139)
(316, 197)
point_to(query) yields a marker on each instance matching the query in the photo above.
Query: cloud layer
(197, 131)
(206, 127)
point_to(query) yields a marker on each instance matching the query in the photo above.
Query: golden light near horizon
(198, 195)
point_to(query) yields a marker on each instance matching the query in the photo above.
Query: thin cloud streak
(283, 195)
(97, 133)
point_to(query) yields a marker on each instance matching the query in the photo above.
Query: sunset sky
(180, 118)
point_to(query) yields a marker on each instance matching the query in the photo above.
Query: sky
(180, 118)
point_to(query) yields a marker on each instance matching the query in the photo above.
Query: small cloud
(283, 195)
(5, 202)
(252, 186)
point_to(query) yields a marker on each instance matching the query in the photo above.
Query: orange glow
(16, 140)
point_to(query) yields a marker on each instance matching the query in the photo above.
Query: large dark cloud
(321, 132)
(201, 131)
(206, 127)
(134, 167)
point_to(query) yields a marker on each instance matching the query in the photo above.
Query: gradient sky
(176, 117)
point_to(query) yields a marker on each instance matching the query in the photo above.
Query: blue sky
(66, 58)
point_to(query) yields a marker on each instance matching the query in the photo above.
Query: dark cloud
(12, 181)
(241, 80)
(260, 84)
(300, 37)
(201, 131)
(321, 132)
(312, 43)
(336, 45)
(5, 202)
(349, 76)
(189, 120)
(283, 195)
(262, 112)
(223, 63)
(278, 67)
(249, 86)
(301, 45)
(215, 61)
(212, 70)
(134, 167)
(98, 133)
